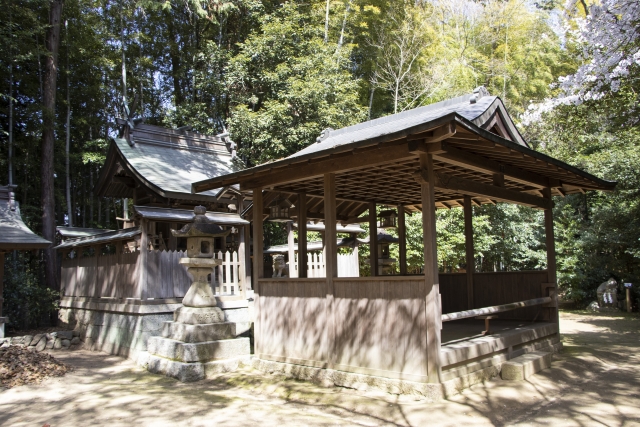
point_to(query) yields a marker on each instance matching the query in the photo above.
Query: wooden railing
(494, 309)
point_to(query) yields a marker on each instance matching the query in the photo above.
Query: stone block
(75, 340)
(65, 343)
(49, 344)
(237, 315)
(76, 333)
(189, 372)
(57, 344)
(36, 339)
(26, 341)
(522, 367)
(198, 315)
(17, 340)
(42, 343)
(185, 372)
(65, 335)
(198, 333)
(198, 352)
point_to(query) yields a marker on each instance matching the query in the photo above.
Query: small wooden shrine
(457, 153)
(135, 271)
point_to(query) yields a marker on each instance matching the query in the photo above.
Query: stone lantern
(385, 262)
(387, 219)
(199, 303)
(199, 342)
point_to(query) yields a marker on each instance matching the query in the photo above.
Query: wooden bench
(487, 330)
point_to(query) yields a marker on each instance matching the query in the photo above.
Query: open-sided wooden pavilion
(456, 153)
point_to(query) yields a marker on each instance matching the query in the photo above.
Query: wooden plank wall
(509, 286)
(453, 291)
(373, 319)
(494, 288)
(381, 326)
(293, 318)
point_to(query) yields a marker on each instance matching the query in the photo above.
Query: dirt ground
(595, 381)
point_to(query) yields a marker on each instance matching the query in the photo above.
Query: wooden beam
(468, 239)
(432, 283)
(435, 135)
(373, 239)
(457, 157)
(342, 163)
(402, 240)
(450, 183)
(302, 235)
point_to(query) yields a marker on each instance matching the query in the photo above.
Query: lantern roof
(201, 226)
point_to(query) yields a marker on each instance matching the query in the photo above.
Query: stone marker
(608, 295)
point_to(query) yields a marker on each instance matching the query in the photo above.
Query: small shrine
(199, 341)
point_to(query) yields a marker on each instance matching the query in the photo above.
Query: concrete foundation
(522, 367)
(124, 329)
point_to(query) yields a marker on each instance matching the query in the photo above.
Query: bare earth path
(595, 381)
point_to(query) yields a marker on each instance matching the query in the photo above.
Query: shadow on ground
(594, 381)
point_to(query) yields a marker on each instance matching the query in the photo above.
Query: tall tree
(48, 140)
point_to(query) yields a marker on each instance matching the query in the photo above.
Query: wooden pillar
(302, 235)
(291, 250)
(258, 233)
(173, 240)
(243, 271)
(402, 240)
(330, 244)
(143, 259)
(551, 257)
(330, 263)
(432, 297)
(373, 239)
(468, 240)
(258, 267)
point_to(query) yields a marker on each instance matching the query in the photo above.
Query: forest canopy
(275, 74)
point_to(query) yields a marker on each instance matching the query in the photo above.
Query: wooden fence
(111, 276)
(117, 276)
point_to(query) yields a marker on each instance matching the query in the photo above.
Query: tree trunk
(48, 124)
(68, 135)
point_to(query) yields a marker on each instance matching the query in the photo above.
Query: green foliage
(27, 300)
(289, 85)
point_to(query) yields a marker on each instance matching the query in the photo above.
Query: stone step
(197, 333)
(198, 352)
(522, 367)
(188, 372)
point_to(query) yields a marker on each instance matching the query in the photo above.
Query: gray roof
(72, 232)
(14, 234)
(477, 113)
(166, 161)
(103, 238)
(185, 215)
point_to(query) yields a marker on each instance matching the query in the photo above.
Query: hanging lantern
(387, 219)
(279, 211)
